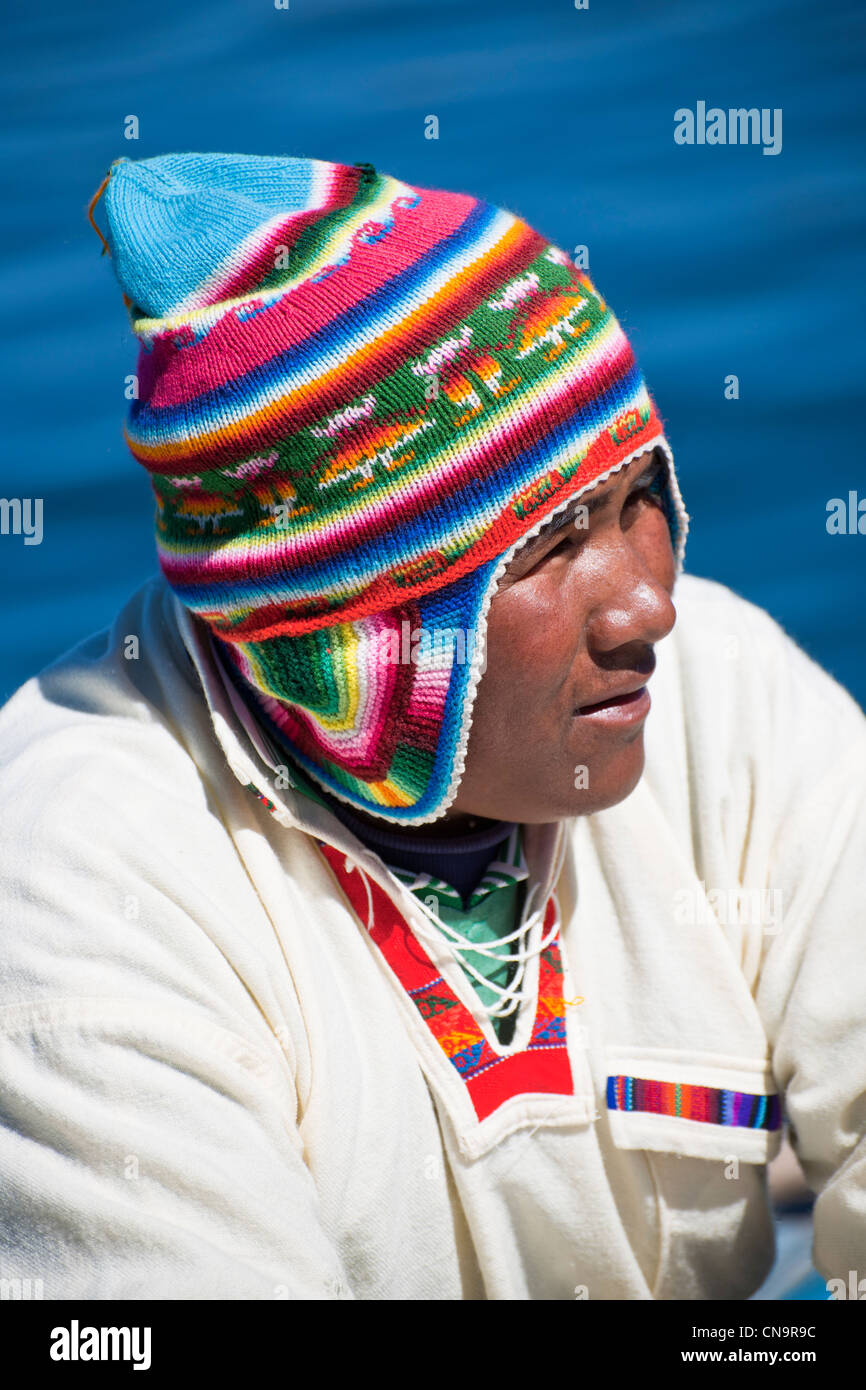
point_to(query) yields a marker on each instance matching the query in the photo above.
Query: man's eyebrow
(592, 502)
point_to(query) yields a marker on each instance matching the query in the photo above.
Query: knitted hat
(356, 399)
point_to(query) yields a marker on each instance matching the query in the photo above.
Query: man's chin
(597, 791)
(539, 799)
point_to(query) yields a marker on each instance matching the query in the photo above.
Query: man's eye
(652, 488)
(560, 545)
(533, 563)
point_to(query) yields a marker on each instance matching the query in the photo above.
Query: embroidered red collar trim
(542, 1067)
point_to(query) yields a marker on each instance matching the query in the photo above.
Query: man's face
(572, 624)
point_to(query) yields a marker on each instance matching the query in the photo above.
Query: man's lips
(623, 710)
(615, 700)
(626, 706)
(630, 689)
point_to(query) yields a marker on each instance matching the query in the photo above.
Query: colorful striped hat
(356, 399)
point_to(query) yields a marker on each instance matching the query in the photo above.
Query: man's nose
(630, 602)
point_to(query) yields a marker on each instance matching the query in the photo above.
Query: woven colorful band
(705, 1103)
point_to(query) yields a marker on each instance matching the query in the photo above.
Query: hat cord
(94, 200)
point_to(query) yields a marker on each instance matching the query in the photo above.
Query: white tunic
(215, 1084)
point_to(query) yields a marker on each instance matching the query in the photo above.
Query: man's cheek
(540, 642)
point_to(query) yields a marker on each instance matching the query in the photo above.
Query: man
(366, 934)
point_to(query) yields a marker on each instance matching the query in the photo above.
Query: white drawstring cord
(510, 996)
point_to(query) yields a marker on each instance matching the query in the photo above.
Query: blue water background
(716, 259)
